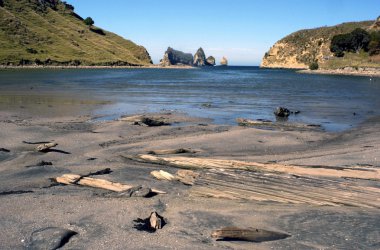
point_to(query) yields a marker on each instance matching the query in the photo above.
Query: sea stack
(199, 58)
(210, 61)
(224, 61)
(176, 57)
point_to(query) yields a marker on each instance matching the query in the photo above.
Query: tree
(88, 21)
(359, 40)
(314, 66)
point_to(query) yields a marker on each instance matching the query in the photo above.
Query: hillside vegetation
(49, 32)
(304, 48)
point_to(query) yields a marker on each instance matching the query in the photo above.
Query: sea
(222, 94)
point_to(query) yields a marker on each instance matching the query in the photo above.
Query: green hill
(49, 32)
(300, 49)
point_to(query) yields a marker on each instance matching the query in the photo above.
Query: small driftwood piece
(4, 150)
(248, 234)
(45, 147)
(162, 175)
(172, 151)
(187, 177)
(74, 179)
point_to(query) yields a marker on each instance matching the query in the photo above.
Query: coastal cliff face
(298, 50)
(49, 32)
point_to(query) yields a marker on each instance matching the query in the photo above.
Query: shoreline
(347, 72)
(97, 67)
(296, 180)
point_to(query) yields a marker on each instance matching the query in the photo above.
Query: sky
(241, 30)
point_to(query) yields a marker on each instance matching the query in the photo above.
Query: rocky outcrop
(210, 61)
(224, 61)
(299, 49)
(176, 57)
(376, 25)
(199, 58)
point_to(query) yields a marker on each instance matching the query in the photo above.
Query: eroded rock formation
(176, 57)
(199, 58)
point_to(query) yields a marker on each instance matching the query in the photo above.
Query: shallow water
(220, 93)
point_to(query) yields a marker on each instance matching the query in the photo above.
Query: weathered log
(45, 147)
(204, 163)
(248, 234)
(70, 179)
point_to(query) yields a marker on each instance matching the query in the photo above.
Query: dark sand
(318, 212)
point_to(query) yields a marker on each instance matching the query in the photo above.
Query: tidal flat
(312, 186)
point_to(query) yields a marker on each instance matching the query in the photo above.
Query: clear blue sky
(242, 30)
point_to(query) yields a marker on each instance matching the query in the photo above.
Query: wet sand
(319, 212)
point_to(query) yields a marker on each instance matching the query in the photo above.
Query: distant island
(50, 33)
(174, 57)
(346, 47)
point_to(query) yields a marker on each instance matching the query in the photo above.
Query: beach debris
(15, 192)
(150, 224)
(4, 150)
(46, 147)
(92, 159)
(247, 234)
(41, 164)
(50, 238)
(210, 163)
(145, 121)
(279, 125)
(172, 151)
(35, 143)
(85, 180)
(282, 112)
(186, 177)
(162, 175)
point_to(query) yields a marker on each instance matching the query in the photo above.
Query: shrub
(351, 42)
(31, 51)
(88, 21)
(314, 66)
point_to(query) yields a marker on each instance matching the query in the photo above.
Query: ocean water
(220, 93)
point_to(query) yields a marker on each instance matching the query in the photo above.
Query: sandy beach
(319, 188)
(349, 71)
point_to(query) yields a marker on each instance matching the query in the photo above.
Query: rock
(50, 238)
(199, 58)
(210, 61)
(282, 112)
(176, 57)
(4, 150)
(150, 224)
(224, 61)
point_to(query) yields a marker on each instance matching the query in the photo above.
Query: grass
(61, 37)
(351, 60)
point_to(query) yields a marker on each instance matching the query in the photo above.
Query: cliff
(298, 50)
(49, 32)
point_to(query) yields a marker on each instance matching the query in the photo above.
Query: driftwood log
(359, 172)
(45, 147)
(247, 234)
(73, 179)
